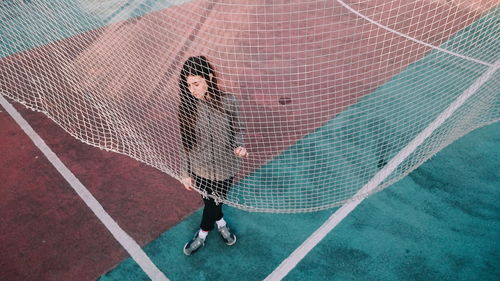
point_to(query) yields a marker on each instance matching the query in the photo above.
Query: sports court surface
(439, 223)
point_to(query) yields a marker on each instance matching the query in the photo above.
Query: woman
(212, 141)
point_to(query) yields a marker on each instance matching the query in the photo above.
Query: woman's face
(197, 85)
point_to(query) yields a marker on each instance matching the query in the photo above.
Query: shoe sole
(184, 250)
(234, 242)
(188, 254)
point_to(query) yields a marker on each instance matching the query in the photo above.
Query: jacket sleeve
(185, 164)
(237, 122)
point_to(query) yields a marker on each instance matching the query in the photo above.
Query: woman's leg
(212, 211)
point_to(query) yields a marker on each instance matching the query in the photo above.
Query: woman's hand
(241, 152)
(188, 183)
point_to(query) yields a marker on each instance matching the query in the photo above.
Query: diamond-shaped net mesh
(332, 100)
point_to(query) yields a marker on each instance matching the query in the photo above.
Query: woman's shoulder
(228, 98)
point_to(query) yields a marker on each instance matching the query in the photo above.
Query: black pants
(212, 212)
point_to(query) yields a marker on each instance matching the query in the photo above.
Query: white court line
(296, 256)
(121, 236)
(411, 38)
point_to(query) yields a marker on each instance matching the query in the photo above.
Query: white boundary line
(411, 38)
(120, 235)
(296, 256)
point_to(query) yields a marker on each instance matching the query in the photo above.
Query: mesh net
(338, 99)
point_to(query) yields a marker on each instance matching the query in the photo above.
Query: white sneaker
(227, 236)
(194, 245)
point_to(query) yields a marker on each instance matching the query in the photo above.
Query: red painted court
(51, 234)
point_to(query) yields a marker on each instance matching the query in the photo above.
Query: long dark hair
(188, 107)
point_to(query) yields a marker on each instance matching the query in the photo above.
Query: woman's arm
(238, 128)
(186, 178)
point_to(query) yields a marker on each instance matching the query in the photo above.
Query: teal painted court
(438, 223)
